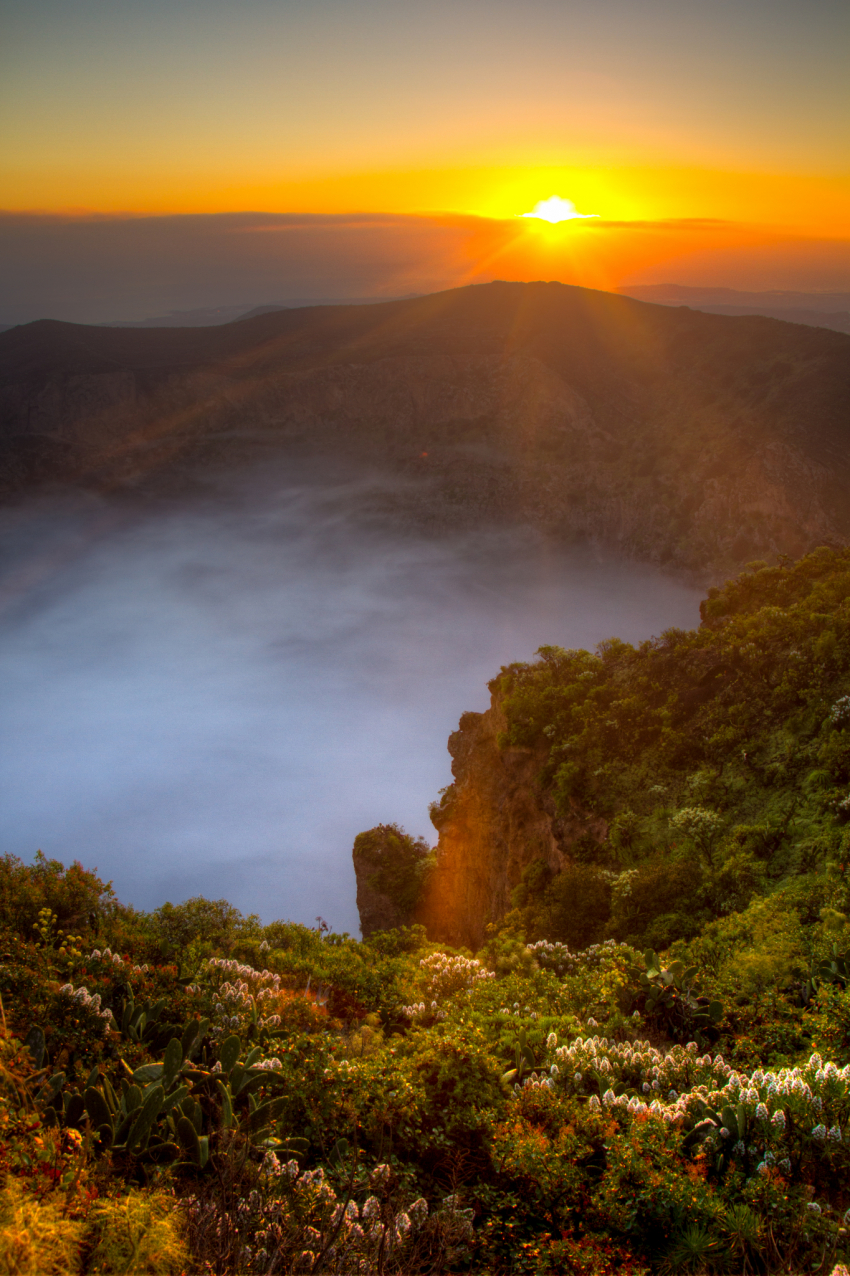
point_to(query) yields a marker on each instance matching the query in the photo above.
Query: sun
(554, 209)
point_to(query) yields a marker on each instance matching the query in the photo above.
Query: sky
(708, 138)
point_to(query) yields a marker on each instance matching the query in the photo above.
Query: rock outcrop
(493, 822)
(390, 867)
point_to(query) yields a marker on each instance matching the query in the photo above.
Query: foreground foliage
(190, 1091)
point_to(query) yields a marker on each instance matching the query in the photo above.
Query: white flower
(819, 1133)
(418, 1212)
(778, 1119)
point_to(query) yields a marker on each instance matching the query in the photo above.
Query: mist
(214, 695)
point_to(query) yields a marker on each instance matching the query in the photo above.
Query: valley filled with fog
(214, 695)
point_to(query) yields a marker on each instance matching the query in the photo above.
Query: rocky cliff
(390, 867)
(639, 791)
(494, 822)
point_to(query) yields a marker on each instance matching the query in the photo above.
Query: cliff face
(389, 866)
(493, 823)
(690, 440)
(377, 909)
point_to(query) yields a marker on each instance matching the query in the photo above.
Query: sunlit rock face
(493, 823)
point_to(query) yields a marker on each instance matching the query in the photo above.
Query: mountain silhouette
(676, 436)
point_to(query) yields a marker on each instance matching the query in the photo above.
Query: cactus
(734, 1119)
(229, 1053)
(671, 995)
(151, 1114)
(836, 970)
(523, 1060)
(141, 1127)
(264, 1115)
(99, 1115)
(194, 1145)
(172, 1063)
(132, 1099)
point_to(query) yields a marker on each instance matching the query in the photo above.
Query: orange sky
(722, 124)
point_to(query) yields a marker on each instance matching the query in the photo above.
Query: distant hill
(230, 314)
(817, 309)
(688, 439)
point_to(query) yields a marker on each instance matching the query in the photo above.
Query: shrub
(37, 1238)
(576, 906)
(139, 1233)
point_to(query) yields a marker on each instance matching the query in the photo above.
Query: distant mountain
(817, 309)
(230, 314)
(693, 440)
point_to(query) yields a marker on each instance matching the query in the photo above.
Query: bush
(576, 906)
(77, 897)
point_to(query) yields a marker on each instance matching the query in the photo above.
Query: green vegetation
(646, 1067)
(719, 759)
(396, 866)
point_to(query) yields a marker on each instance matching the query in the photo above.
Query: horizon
(176, 157)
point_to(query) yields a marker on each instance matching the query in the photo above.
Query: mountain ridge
(675, 436)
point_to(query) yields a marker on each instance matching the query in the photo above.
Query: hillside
(818, 309)
(193, 1093)
(691, 440)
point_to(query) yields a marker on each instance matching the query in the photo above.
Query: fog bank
(213, 697)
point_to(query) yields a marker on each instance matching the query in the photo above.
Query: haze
(214, 696)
